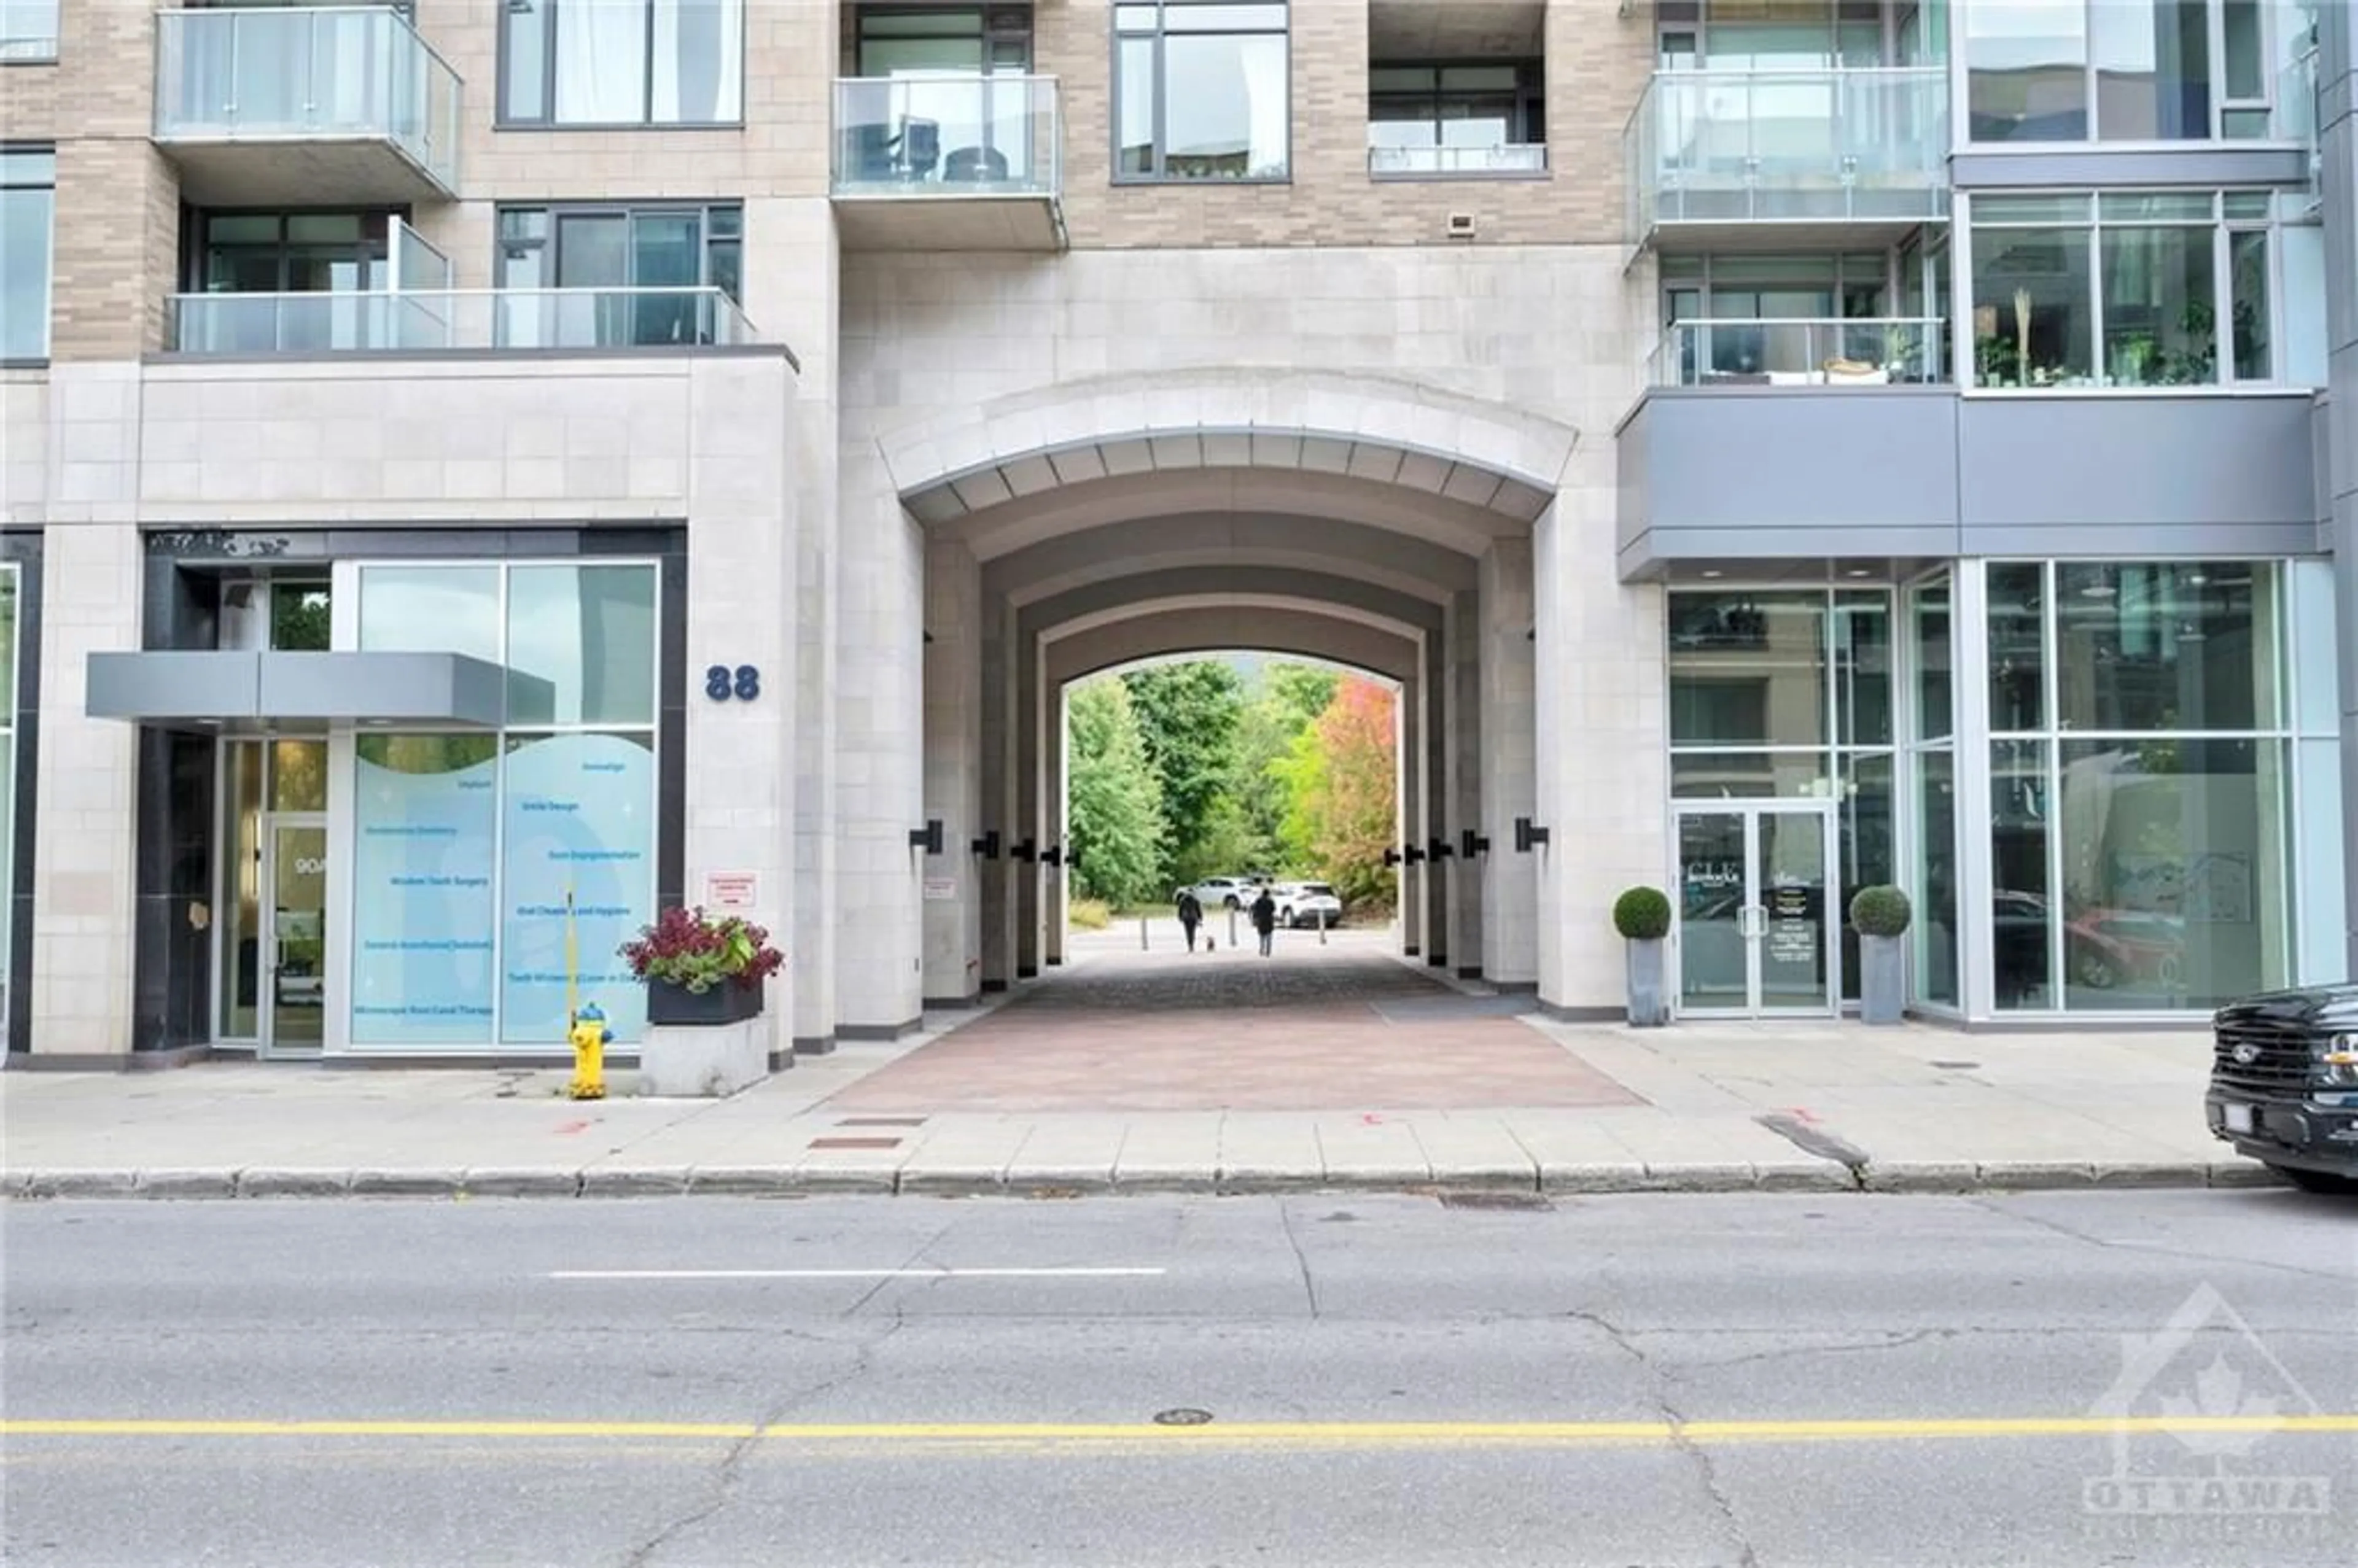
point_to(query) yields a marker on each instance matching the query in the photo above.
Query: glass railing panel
(949, 134)
(1793, 352)
(410, 319)
(1512, 158)
(297, 73)
(1837, 144)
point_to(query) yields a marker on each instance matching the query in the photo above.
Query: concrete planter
(703, 1061)
(1648, 1008)
(1882, 980)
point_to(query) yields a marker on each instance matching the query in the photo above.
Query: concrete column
(792, 270)
(998, 877)
(1511, 890)
(743, 558)
(1432, 757)
(1030, 768)
(1056, 888)
(2337, 64)
(952, 902)
(1601, 784)
(880, 692)
(1461, 743)
(1410, 833)
(84, 889)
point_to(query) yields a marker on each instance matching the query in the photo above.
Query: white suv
(1308, 903)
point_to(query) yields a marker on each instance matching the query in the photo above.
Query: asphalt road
(1655, 1381)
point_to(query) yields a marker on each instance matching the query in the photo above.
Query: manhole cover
(1527, 1203)
(1181, 1418)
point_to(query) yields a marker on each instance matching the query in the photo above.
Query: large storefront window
(479, 858)
(2140, 845)
(1789, 695)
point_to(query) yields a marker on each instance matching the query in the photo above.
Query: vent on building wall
(1460, 226)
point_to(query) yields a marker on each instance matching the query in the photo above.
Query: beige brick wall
(116, 241)
(1598, 63)
(791, 48)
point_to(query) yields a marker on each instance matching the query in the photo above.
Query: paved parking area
(1344, 1026)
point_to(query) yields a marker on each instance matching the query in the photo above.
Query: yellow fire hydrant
(590, 1037)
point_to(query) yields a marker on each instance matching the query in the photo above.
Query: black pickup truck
(2284, 1084)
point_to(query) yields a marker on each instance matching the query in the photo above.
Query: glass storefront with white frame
(2110, 788)
(421, 890)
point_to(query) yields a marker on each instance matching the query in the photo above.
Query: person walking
(1191, 915)
(1264, 919)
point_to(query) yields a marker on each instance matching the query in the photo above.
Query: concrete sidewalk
(1716, 1107)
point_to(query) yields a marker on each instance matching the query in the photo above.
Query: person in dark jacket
(1264, 919)
(1191, 915)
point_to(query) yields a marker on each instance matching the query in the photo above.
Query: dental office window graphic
(467, 845)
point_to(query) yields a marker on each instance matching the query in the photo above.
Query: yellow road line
(1304, 1432)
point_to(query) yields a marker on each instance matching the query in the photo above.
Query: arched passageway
(1366, 520)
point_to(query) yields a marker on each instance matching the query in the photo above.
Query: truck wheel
(2317, 1181)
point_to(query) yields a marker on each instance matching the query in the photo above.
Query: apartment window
(29, 182)
(623, 62)
(2135, 288)
(644, 272)
(1455, 118)
(28, 30)
(2125, 70)
(1200, 90)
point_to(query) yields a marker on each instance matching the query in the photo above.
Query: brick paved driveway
(1341, 1028)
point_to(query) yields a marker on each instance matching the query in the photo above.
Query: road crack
(1301, 1258)
(2148, 1248)
(1658, 1380)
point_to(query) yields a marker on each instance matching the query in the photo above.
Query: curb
(1879, 1178)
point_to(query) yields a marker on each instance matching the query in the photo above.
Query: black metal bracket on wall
(1527, 835)
(1408, 855)
(1052, 856)
(1470, 844)
(1027, 852)
(928, 838)
(1438, 850)
(987, 846)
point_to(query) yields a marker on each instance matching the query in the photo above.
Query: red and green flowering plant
(687, 949)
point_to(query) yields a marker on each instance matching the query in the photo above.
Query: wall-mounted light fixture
(1528, 833)
(928, 838)
(1470, 844)
(1052, 856)
(1437, 850)
(1027, 852)
(987, 846)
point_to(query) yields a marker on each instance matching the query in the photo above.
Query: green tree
(1187, 717)
(1114, 798)
(1266, 765)
(1341, 776)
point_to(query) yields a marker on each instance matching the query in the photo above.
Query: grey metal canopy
(246, 689)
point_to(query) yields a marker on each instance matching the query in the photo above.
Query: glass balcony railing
(947, 133)
(411, 321)
(307, 73)
(1718, 146)
(1796, 351)
(1414, 163)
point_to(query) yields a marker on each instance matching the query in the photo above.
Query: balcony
(291, 106)
(1510, 159)
(521, 321)
(1727, 159)
(1797, 352)
(954, 161)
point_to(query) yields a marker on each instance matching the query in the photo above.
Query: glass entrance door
(1753, 907)
(296, 956)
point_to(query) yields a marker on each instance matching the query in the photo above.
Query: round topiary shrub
(1880, 912)
(1642, 914)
